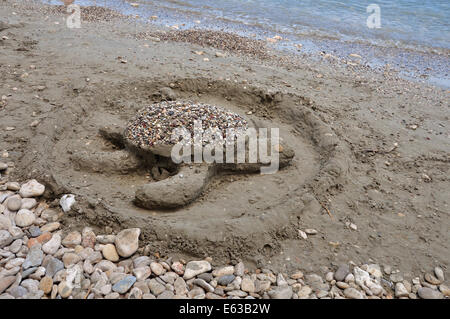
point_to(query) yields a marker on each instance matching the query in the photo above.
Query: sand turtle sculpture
(150, 138)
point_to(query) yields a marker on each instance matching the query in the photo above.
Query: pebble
(247, 285)
(35, 231)
(124, 285)
(72, 239)
(400, 290)
(5, 222)
(28, 203)
(3, 166)
(24, 218)
(297, 275)
(141, 261)
(342, 285)
(374, 270)
(13, 186)
(135, 293)
(54, 292)
(64, 289)
(194, 268)
(113, 295)
(236, 293)
(342, 272)
(44, 237)
(127, 241)
(88, 238)
(18, 291)
(106, 239)
(142, 273)
(352, 293)
(5, 238)
(311, 231)
(439, 274)
(225, 280)
(95, 257)
(5, 282)
(281, 281)
(16, 246)
(46, 284)
(66, 202)
(31, 189)
(70, 259)
(431, 279)
(109, 252)
(395, 278)
(302, 234)
(52, 246)
(329, 276)
(170, 277)
(34, 257)
(349, 278)
(165, 295)
(157, 268)
(14, 263)
(106, 289)
(105, 265)
(156, 288)
(53, 266)
(223, 271)
(428, 293)
(87, 267)
(239, 269)
(29, 271)
(387, 269)
(284, 292)
(50, 227)
(203, 284)
(180, 286)
(37, 274)
(14, 203)
(445, 290)
(50, 215)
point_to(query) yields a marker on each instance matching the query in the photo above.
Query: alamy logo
(73, 21)
(238, 146)
(374, 20)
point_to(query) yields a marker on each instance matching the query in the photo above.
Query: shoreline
(430, 65)
(391, 132)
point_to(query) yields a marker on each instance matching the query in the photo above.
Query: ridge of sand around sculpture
(147, 142)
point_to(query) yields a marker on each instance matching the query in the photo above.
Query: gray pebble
(341, 272)
(34, 257)
(225, 280)
(206, 277)
(428, 293)
(35, 231)
(124, 285)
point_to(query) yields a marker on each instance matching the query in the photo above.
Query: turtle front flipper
(176, 191)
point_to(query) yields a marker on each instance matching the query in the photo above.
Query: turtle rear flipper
(176, 191)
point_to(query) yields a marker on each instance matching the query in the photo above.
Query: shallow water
(403, 22)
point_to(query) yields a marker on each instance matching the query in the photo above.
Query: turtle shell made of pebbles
(153, 126)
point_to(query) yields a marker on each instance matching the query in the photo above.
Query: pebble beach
(42, 259)
(360, 213)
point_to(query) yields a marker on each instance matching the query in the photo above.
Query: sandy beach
(368, 182)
